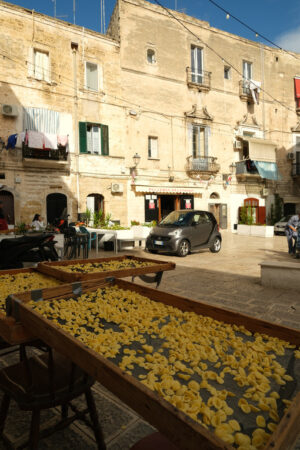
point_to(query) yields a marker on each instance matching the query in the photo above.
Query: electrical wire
(217, 54)
(244, 24)
(228, 13)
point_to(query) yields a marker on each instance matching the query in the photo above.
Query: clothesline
(37, 140)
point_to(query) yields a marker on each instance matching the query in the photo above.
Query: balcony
(206, 165)
(200, 81)
(245, 92)
(57, 159)
(246, 170)
(296, 170)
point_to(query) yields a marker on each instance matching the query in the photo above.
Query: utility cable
(217, 54)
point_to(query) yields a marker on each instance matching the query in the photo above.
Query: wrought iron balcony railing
(245, 91)
(200, 80)
(246, 168)
(60, 154)
(204, 164)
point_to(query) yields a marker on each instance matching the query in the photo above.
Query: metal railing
(296, 169)
(205, 164)
(200, 79)
(246, 167)
(245, 92)
(60, 154)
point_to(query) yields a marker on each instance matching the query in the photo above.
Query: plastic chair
(47, 381)
(92, 235)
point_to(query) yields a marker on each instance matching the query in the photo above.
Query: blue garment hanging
(11, 141)
(268, 170)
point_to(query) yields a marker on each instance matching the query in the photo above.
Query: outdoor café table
(101, 232)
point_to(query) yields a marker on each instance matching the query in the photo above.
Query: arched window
(151, 56)
(8, 206)
(56, 207)
(95, 202)
(214, 195)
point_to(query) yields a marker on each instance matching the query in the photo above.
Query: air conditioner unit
(291, 155)
(9, 110)
(117, 187)
(265, 192)
(237, 144)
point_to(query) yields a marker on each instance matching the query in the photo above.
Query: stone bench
(281, 274)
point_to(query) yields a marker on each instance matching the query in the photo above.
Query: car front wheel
(216, 246)
(183, 248)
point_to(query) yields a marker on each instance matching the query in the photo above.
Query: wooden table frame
(178, 427)
(158, 267)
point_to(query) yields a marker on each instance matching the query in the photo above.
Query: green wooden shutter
(82, 137)
(104, 140)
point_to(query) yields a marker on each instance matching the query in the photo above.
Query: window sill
(102, 156)
(91, 91)
(154, 159)
(49, 83)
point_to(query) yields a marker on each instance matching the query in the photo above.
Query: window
(41, 66)
(152, 147)
(247, 70)
(151, 56)
(197, 64)
(93, 138)
(200, 141)
(91, 76)
(227, 74)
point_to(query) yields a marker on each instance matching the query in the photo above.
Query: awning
(167, 190)
(261, 149)
(268, 170)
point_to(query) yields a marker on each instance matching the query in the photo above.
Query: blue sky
(272, 18)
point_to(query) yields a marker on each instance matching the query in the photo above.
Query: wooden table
(178, 427)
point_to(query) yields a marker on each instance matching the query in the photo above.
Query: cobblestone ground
(230, 279)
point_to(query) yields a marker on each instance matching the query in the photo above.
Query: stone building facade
(159, 116)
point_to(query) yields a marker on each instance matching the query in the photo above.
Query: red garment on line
(297, 91)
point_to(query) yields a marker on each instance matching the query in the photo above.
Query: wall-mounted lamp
(136, 159)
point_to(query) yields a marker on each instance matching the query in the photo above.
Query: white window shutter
(38, 65)
(30, 63)
(46, 66)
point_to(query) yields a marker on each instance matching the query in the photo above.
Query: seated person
(37, 223)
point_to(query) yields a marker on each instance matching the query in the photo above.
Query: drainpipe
(76, 137)
(262, 62)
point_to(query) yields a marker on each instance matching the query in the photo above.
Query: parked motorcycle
(37, 248)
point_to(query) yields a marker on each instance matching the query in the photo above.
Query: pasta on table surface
(23, 282)
(235, 383)
(105, 266)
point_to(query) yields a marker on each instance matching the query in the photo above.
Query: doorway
(56, 206)
(219, 210)
(167, 204)
(8, 206)
(95, 202)
(289, 209)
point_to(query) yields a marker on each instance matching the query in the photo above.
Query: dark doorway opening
(56, 206)
(8, 206)
(289, 209)
(167, 205)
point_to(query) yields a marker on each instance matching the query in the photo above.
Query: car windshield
(176, 218)
(285, 219)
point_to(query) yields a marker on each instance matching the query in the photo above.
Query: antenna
(175, 5)
(102, 7)
(74, 11)
(54, 1)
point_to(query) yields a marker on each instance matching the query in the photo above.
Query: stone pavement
(230, 279)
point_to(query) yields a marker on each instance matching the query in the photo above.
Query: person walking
(291, 233)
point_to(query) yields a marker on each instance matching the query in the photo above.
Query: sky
(271, 18)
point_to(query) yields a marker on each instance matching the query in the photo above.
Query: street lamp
(136, 159)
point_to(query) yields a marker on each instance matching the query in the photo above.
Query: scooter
(37, 248)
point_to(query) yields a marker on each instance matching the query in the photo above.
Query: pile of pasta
(221, 375)
(105, 266)
(23, 282)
